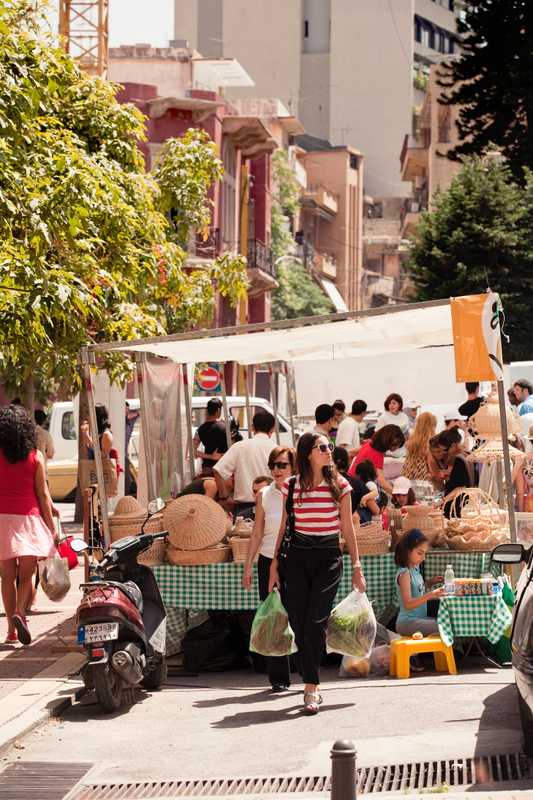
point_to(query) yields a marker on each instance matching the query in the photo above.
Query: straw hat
(194, 522)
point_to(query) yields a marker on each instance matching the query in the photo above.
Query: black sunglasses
(280, 465)
(323, 447)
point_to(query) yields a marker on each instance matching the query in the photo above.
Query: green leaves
(479, 235)
(85, 235)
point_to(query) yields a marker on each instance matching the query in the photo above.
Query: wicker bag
(239, 547)
(428, 520)
(476, 522)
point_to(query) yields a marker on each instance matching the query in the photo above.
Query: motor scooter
(122, 620)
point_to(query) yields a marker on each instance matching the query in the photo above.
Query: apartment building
(423, 157)
(343, 67)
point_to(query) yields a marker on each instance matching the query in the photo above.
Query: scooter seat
(132, 592)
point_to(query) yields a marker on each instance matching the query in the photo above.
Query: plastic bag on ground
(377, 664)
(352, 627)
(271, 633)
(54, 577)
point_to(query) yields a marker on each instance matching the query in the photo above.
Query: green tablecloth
(483, 615)
(218, 586)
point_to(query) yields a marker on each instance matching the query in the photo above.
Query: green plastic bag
(271, 633)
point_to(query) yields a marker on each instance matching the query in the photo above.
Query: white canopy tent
(351, 334)
(345, 335)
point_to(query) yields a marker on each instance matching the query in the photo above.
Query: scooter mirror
(78, 545)
(156, 505)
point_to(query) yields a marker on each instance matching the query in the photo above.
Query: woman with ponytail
(322, 512)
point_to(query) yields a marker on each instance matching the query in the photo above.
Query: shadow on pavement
(248, 718)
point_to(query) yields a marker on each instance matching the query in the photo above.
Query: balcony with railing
(414, 157)
(261, 267)
(326, 264)
(320, 198)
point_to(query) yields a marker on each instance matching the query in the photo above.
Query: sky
(136, 21)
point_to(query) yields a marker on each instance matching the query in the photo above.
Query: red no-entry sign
(208, 379)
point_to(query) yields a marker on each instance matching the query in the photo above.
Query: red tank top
(17, 486)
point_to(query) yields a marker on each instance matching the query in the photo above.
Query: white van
(63, 468)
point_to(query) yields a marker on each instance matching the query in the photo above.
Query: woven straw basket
(428, 520)
(211, 555)
(154, 556)
(194, 522)
(239, 548)
(127, 520)
(372, 540)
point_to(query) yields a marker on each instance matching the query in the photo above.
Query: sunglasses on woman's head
(280, 465)
(324, 447)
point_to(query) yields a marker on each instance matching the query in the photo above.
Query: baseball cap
(411, 404)
(401, 485)
(453, 415)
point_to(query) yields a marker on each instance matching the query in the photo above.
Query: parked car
(522, 633)
(63, 468)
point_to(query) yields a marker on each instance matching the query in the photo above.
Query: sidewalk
(35, 681)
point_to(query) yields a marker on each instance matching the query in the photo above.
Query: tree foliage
(87, 251)
(297, 294)
(492, 82)
(479, 235)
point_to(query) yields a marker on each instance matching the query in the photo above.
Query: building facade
(345, 68)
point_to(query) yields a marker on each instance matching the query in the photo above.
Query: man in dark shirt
(474, 401)
(212, 434)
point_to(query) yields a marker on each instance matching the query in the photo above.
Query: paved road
(227, 725)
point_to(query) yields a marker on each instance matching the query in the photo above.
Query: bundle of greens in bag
(352, 627)
(271, 633)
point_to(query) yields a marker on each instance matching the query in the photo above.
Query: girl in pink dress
(27, 529)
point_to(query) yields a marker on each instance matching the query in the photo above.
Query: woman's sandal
(21, 627)
(312, 700)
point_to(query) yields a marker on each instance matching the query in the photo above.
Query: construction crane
(84, 28)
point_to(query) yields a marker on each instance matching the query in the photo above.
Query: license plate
(99, 632)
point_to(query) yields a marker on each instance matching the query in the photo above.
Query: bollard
(343, 775)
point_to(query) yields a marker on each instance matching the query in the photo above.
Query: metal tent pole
(140, 359)
(247, 400)
(288, 381)
(188, 413)
(274, 398)
(179, 438)
(87, 360)
(507, 461)
(225, 404)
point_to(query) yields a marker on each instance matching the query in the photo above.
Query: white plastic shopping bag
(352, 627)
(54, 577)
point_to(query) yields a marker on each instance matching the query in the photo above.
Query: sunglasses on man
(324, 447)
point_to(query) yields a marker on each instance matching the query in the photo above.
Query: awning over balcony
(334, 295)
(250, 135)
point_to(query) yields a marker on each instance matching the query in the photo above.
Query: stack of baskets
(127, 520)
(196, 526)
(372, 540)
(240, 541)
(476, 522)
(428, 520)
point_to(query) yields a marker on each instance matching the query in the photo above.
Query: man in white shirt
(244, 462)
(348, 432)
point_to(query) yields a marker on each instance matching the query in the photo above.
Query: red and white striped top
(315, 512)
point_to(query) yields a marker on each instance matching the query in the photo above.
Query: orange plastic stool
(402, 650)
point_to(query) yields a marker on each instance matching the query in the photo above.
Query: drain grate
(40, 780)
(396, 778)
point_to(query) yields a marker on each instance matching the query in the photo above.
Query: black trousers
(277, 666)
(312, 575)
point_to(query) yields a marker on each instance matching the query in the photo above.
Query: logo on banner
(208, 379)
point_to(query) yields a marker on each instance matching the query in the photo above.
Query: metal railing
(260, 257)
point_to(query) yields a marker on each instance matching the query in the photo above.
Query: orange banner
(477, 337)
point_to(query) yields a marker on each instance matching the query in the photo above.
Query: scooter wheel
(157, 677)
(108, 686)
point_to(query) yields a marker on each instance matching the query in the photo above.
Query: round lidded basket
(155, 555)
(194, 522)
(427, 519)
(212, 555)
(128, 507)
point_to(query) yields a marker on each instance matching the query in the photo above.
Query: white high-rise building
(344, 67)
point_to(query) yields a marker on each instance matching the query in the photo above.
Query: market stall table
(474, 616)
(218, 586)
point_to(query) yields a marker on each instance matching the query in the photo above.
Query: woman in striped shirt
(322, 512)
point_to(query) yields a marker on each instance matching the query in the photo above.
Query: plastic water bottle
(449, 581)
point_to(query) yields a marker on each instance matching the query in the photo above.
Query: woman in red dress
(27, 529)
